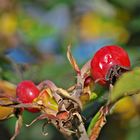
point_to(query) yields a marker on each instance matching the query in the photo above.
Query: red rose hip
(109, 63)
(26, 92)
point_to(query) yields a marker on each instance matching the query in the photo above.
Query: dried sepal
(72, 60)
(17, 127)
(44, 132)
(42, 117)
(85, 70)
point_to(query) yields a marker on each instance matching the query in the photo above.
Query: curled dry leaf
(7, 96)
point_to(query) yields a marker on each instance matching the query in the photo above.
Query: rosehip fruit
(26, 92)
(109, 63)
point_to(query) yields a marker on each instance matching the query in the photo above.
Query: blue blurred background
(34, 35)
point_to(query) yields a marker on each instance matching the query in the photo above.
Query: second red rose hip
(26, 92)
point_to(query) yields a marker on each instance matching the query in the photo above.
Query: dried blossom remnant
(67, 118)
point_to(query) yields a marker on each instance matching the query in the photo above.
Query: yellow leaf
(6, 89)
(126, 108)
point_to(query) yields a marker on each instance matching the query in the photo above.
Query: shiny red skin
(105, 58)
(26, 92)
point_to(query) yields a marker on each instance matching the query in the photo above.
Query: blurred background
(34, 35)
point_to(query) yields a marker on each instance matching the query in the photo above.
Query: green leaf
(127, 85)
(93, 122)
(98, 121)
